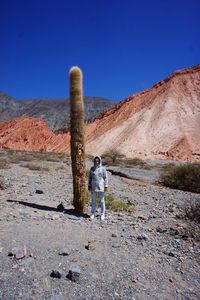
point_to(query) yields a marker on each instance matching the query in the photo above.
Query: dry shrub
(17, 156)
(34, 167)
(184, 177)
(2, 184)
(4, 163)
(192, 211)
(113, 157)
(132, 162)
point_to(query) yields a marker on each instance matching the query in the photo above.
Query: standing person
(98, 184)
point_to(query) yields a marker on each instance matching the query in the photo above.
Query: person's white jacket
(98, 177)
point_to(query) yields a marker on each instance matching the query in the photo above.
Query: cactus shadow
(34, 205)
(73, 212)
(70, 211)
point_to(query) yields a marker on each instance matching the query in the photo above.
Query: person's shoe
(102, 217)
(92, 217)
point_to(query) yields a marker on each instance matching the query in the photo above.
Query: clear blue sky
(122, 46)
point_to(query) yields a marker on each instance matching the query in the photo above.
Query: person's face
(96, 162)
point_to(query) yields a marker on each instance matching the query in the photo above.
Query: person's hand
(105, 189)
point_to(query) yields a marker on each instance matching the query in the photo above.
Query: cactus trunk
(77, 138)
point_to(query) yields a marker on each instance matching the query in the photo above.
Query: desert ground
(152, 253)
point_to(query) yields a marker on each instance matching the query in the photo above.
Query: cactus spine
(77, 138)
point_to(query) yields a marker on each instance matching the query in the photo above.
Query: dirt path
(147, 255)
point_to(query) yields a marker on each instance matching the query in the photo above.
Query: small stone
(64, 252)
(173, 231)
(142, 236)
(55, 274)
(142, 218)
(171, 279)
(39, 192)
(57, 296)
(60, 207)
(161, 230)
(114, 235)
(55, 217)
(74, 274)
(116, 245)
(91, 245)
(171, 254)
(18, 253)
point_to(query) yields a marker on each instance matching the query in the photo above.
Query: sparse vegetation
(192, 211)
(118, 205)
(35, 167)
(17, 156)
(113, 204)
(2, 184)
(112, 156)
(184, 177)
(4, 163)
(115, 158)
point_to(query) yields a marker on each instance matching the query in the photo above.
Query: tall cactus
(77, 138)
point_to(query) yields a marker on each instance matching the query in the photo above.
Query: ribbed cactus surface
(77, 138)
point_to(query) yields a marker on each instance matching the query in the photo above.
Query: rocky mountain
(55, 112)
(162, 122)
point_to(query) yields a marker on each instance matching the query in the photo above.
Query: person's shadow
(59, 208)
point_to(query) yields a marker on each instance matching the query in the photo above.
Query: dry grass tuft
(184, 177)
(192, 211)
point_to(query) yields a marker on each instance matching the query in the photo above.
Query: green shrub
(118, 205)
(112, 204)
(184, 177)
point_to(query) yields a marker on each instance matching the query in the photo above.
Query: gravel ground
(151, 254)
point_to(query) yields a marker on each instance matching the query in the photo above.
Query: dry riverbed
(151, 254)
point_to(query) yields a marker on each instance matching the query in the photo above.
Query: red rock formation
(154, 123)
(32, 134)
(162, 122)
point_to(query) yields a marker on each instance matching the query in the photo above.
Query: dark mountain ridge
(55, 112)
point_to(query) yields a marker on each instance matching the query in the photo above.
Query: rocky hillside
(161, 122)
(26, 133)
(55, 112)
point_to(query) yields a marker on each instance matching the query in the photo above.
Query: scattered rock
(55, 217)
(74, 274)
(39, 192)
(57, 296)
(161, 230)
(173, 231)
(55, 274)
(171, 254)
(116, 245)
(142, 218)
(18, 253)
(91, 245)
(114, 235)
(60, 207)
(142, 236)
(64, 252)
